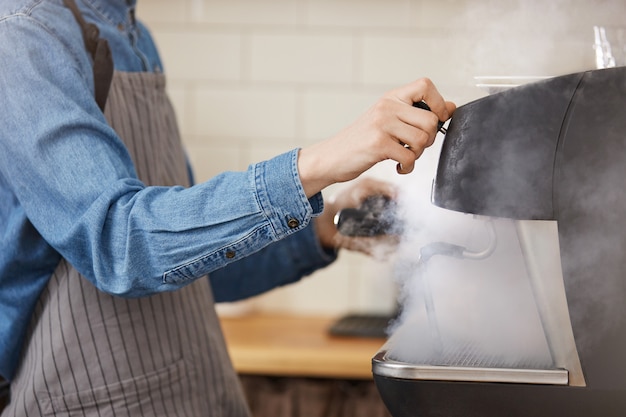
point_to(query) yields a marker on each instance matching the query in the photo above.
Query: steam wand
(456, 251)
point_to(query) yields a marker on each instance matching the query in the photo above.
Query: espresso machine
(550, 158)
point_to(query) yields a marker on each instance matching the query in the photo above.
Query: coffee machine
(551, 157)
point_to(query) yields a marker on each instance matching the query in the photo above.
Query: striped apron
(88, 353)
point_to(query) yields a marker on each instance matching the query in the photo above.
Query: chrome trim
(539, 241)
(383, 366)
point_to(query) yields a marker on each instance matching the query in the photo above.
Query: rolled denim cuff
(281, 195)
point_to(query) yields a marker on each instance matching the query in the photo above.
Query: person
(105, 308)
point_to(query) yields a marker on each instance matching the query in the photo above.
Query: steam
(484, 312)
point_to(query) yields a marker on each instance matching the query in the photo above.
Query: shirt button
(293, 223)
(230, 254)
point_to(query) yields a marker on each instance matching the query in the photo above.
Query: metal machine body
(553, 150)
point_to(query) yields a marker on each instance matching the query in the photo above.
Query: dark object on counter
(550, 150)
(376, 216)
(362, 325)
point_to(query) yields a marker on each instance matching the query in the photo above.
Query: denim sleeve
(76, 183)
(280, 263)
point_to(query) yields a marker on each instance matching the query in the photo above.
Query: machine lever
(422, 105)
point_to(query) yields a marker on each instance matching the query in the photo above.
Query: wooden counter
(285, 345)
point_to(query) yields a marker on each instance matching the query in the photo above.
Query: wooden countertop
(286, 345)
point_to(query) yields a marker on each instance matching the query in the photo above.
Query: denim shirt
(68, 188)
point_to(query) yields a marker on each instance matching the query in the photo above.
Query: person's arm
(75, 180)
(278, 264)
(302, 253)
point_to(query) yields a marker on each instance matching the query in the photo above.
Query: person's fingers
(391, 129)
(451, 107)
(423, 89)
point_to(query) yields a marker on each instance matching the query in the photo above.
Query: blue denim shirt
(68, 188)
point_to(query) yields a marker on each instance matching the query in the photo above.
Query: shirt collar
(115, 11)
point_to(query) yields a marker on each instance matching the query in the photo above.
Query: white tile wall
(254, 78)
(302, 58)
(201, 65)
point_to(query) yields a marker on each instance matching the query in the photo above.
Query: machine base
(414, 398)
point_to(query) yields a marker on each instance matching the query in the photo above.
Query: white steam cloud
(484, 311)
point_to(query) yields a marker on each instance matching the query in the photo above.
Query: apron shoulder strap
(100, 52)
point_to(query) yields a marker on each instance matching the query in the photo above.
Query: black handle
(422, 105)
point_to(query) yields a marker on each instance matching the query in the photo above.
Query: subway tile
(533, 57)
(162, 11)
(442, 14)
(326, 112)
(518, 18)
(608, 13)
(211, 159)
(377, 291)
(327, 291)
(301, 57)
(244, 112)
(475, 15)
(195, 55)
(264, 149)
(245, 12)
(389, 59)
(362, 14)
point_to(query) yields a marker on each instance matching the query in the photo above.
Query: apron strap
(100, 52)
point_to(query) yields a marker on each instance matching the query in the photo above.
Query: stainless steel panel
(383, 366)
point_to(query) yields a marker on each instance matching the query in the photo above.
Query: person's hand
(352, 197)
(391, 129)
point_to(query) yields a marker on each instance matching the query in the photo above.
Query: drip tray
(382, 365)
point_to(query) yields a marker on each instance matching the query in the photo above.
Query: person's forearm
(280, 263)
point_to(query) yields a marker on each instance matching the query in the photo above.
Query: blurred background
(254, 78)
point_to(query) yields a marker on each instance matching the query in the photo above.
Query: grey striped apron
(92, 354)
